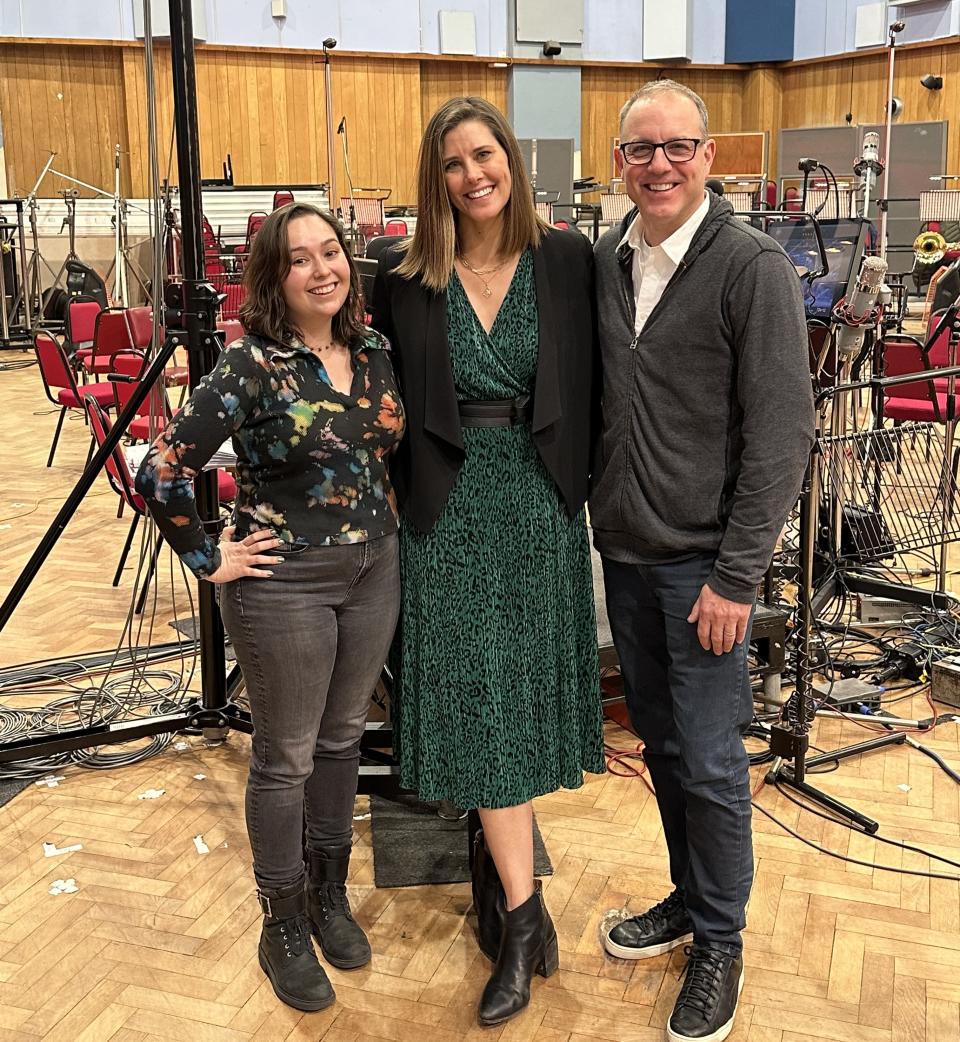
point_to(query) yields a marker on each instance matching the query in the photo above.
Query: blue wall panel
(83, 21)
(545, 102)
(613, 30)
(924, 22)
(810, 29)
(759, 31)
(709, 30)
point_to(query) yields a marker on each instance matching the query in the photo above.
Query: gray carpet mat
(10, 787)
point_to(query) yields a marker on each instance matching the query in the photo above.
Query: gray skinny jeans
(311, 642)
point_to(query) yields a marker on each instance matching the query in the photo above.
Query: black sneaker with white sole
(658, 930)
(707, 1002)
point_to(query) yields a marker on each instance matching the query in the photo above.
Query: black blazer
(414, 320)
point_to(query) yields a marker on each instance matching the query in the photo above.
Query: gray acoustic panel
(542, 20)
(554, 167)
(918, 151)
(835, 147)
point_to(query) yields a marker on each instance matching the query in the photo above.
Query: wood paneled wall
(267, 108)
(68, 100)
(604, 90)
(442, 80)
(821, 94)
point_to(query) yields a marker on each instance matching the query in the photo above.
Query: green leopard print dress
(498, 694)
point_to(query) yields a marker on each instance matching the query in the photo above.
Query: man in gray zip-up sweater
(707, 426)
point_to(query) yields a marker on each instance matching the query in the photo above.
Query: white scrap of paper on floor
(63, 886)
(51, 781)
(202, 847)
(51, 849)
(151, 794)
(199, 777)
(180, 746)
(904, 787)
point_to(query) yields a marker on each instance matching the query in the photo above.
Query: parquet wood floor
(159, 942)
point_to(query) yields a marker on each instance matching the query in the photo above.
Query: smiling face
(317, 285)
(476, 172)
(666, 193)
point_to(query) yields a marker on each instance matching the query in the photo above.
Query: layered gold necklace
(483, 274)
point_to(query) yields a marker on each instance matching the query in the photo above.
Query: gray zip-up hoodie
(708, 412)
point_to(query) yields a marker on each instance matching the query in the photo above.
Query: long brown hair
(433, 247)
(264, 311)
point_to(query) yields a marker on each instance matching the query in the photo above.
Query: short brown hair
(433, 247)
(264, 311)
(654, 88)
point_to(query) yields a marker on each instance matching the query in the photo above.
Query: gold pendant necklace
(480, 273)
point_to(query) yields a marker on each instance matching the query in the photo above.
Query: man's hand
(720, 623)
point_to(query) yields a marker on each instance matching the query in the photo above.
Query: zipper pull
(634, 342)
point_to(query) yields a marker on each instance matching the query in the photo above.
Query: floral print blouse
(311, 462)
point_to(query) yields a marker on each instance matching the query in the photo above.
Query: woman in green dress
(490, 314)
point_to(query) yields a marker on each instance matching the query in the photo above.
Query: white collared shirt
(653, 266)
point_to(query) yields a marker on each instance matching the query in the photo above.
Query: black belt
(504, 412)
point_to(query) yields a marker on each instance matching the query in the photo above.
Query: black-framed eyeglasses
(679, 150)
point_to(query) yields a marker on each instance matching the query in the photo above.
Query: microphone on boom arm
(868, 166)
(862, 309)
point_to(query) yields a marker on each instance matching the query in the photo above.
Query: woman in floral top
(309, 571)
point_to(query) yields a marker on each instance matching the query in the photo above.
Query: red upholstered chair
(60, 385)
(925, 399)
(81, 321)
(281, 198)
(153, 413)
(254, 222)
(140, 320)
(112, 335)
(395, 228)
(230, 308)
(118, 474)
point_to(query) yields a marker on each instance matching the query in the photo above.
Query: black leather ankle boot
(488, 898)
(528, 945)
(342, 941)
(286, 951)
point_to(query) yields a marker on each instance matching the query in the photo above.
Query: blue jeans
(691, 709)
(311, 642)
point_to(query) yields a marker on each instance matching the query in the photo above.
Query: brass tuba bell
(929, 247)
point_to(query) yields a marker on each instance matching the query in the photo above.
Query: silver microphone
(868, 165)
(861, 310)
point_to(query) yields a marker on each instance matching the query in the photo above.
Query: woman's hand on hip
(238, 560)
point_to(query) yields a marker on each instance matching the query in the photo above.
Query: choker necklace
(320, 348)
(481, 273)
